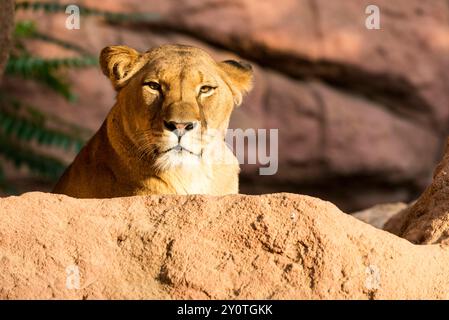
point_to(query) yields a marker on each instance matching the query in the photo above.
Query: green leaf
(25, 29)
(55, 7)
(42, 164)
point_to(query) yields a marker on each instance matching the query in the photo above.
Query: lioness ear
(239, 77)
(119, 63)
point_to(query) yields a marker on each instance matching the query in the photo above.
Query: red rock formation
(280, 246)
(361, 113)
(426, 221)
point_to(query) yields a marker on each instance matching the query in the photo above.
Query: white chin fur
(173, 159)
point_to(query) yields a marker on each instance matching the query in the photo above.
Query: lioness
(156, 139)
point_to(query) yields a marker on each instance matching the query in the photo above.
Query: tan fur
(127, 156)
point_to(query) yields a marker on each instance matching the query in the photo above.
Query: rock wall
(280, 246)
(362, 114)
(379, 214)
(426, 221)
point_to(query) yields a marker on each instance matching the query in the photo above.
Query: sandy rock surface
(427, 221)
(280, 246)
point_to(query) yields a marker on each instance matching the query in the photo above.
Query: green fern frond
(42, 70)
(26, 65)
(26, 124)
(41, 117)
(49, 7)
(24, 29)
(27, 29)
(56, 84)
(26, 130)
(54, 7)
(62, 43)
(37, 162)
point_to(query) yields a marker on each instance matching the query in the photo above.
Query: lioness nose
(179, 128)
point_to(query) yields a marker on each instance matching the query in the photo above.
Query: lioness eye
(206, 89)
(153, 85)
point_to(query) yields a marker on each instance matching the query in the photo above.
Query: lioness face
(176, 100)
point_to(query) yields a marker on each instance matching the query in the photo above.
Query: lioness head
(175, 100)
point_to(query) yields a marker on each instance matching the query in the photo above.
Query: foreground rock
(427, 221)
(280, 246)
